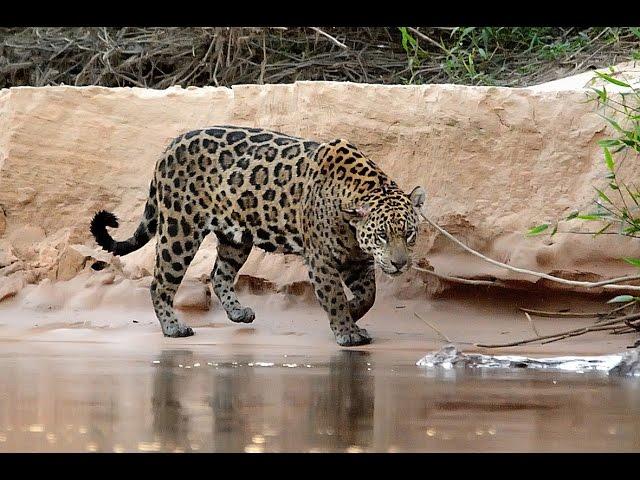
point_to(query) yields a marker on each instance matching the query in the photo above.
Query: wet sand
(121, 315)
(104, 379)
(78, 397)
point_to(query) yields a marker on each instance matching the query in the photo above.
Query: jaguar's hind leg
(230, 259)
(174, 253)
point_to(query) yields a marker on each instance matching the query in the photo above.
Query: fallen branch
(609, 325)
(606, 284)
(544, 313)
(161, 57)
(466, 281)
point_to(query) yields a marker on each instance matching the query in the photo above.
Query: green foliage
(623, 299)
(621, 205)
(633, 261)
(537, 230)
(415, 54)
(483, 55)
(617, 204)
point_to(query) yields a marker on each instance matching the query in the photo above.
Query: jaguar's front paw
(177, 330)
(359, 336)
(242, 315)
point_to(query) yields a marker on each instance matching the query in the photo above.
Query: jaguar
(251, 187)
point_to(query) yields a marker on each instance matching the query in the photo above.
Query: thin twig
(533, 325)
(333, 39)
(442, 335)
(544, 313)
(466, 281)
(616, 310)
(623, 331)
(428, 39)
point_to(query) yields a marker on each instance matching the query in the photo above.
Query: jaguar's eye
(411, 236)
(382, 235)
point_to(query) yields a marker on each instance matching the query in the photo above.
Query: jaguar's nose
(399, 264)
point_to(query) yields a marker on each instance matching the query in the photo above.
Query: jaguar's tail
(144, 232)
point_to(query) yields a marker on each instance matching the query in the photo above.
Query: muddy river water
(82, 398)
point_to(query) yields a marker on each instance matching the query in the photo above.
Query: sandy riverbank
(494, 162)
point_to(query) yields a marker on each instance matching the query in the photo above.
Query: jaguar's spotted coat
(252, 187)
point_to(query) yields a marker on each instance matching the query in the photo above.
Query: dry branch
(610, 284)
(466, 281)
(442, 335)
(545, 313)
(611, 325)
(333, 39)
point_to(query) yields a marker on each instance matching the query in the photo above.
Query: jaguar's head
(386, 226)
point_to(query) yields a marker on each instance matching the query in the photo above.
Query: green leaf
(537, 229)
(613, 123)
(406, 39)
(467, 31)
(620, 148)
(608, 159)
(403, 31)
(593, 216)
(632, 195)
(603, 196)
(610, 142)
(602, 94)
(615, 81)
(602, 230)
(555, 230)
(633, 261)
(573, 215)
(623, 299)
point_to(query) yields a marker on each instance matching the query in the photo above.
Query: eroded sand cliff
(494, 162)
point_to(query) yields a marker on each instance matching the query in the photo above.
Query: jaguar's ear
(357, 212)
(418, 196)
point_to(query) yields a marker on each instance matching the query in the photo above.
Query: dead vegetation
(163, 57)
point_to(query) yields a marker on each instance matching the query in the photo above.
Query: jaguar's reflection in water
(336, 409)
(206, 399)
(343, 408)
(170, 421)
